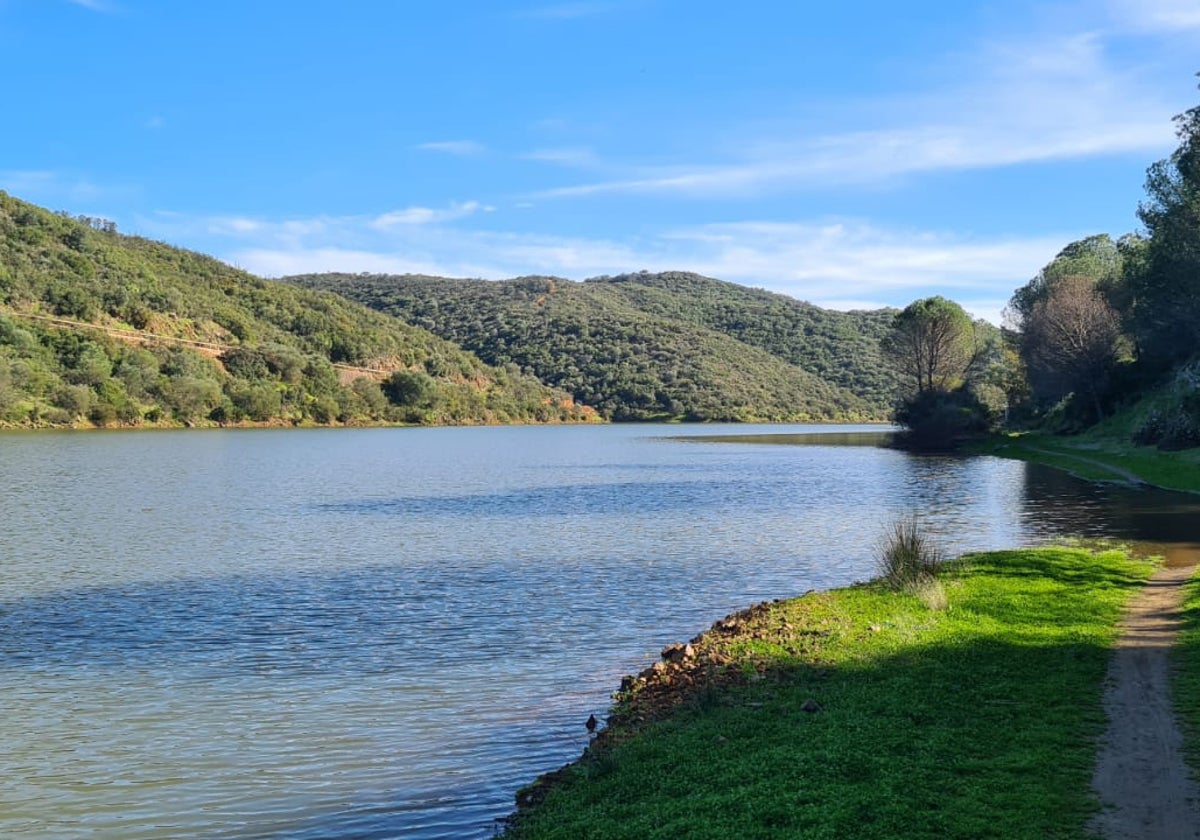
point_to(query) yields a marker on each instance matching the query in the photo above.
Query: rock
(811, 706)
(658, 667)
(674, 653)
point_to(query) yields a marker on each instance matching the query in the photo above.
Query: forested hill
(101, 328)
(652, 346)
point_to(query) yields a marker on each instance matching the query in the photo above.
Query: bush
(938, 420)
(908, 556)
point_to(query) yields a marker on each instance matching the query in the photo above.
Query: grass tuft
(908, 556)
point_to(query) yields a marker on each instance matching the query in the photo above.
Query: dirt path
(1121, 472)
(1141, 779)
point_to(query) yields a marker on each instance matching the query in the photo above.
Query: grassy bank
(1102, 458)
(1185, 685)
(866, 713)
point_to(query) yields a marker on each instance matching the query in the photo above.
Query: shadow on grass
(1185, 684)
(901, 723)
(973, 740)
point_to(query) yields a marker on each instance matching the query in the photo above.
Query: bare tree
(1072, 339)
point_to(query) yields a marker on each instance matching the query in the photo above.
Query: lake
(385, 633)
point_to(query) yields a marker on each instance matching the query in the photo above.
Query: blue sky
(852, 154)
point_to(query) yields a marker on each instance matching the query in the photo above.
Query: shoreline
(833, 664)
(730, 658)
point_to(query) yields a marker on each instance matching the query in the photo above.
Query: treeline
(1106, 325)
(653, 346)
(278, 354)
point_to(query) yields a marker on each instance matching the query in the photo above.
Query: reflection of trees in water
(1062, 504)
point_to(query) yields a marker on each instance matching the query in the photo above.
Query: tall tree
(1096, 257)
(1071, 342)
(931, 343)
(1165, 288)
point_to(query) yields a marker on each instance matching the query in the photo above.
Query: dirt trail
(1140, 778)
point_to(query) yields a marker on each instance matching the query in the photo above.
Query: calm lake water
(384, 633)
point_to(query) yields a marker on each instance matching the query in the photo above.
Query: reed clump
(908, 558)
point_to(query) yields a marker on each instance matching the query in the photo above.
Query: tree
(1071, 342)
(1096, 257)
(409, 389)
(931, 342)
(1165, 288)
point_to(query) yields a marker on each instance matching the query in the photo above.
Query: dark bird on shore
(591, 723)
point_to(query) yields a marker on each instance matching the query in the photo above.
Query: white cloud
(836, 264)
(567, 11)
(461, 148)
(428, 215)
(1170, 16)
(94, 5)
(1022, 103)
(45, 186)
(572, 156)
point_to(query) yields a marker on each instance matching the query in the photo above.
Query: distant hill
(101, 328)
(653, 346)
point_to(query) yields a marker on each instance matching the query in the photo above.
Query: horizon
(943, 148)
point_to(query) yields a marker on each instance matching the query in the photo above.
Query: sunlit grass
(1086, 456)
(1185, 685)
(976, 720)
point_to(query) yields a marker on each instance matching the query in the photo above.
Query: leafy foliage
(931, 342)
(100, 328)
(1165, 288)
(652, 346)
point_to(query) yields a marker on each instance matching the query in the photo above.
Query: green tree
(409, 389)
(931, 343)
(1165, 288)
(1095, 257)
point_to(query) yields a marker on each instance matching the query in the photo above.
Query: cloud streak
(458, 148)
(1053, 101)
(834, 263)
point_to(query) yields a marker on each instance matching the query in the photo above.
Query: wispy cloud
(428, 215)
(1158, 15)
(567, 11)
(94, 5)
(834, 263)
(50, 187)
(462, 148)
(1028, 103)
(576, 156)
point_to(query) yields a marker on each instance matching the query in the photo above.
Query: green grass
(1185, 685)
(973, 721)
(1103, 458)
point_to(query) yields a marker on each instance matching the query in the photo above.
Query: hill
(101, 328)
(653, 346)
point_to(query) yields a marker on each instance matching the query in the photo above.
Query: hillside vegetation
(653, 346)
(100, 328)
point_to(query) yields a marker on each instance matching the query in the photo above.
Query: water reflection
(1160, 521)
(385, 633)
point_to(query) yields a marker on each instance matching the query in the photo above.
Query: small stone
(811, 706)
(674, 653)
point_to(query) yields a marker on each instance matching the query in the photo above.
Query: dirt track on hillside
(1140, 778)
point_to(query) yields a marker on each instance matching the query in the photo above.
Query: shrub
(908, 556)
(939, 420)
